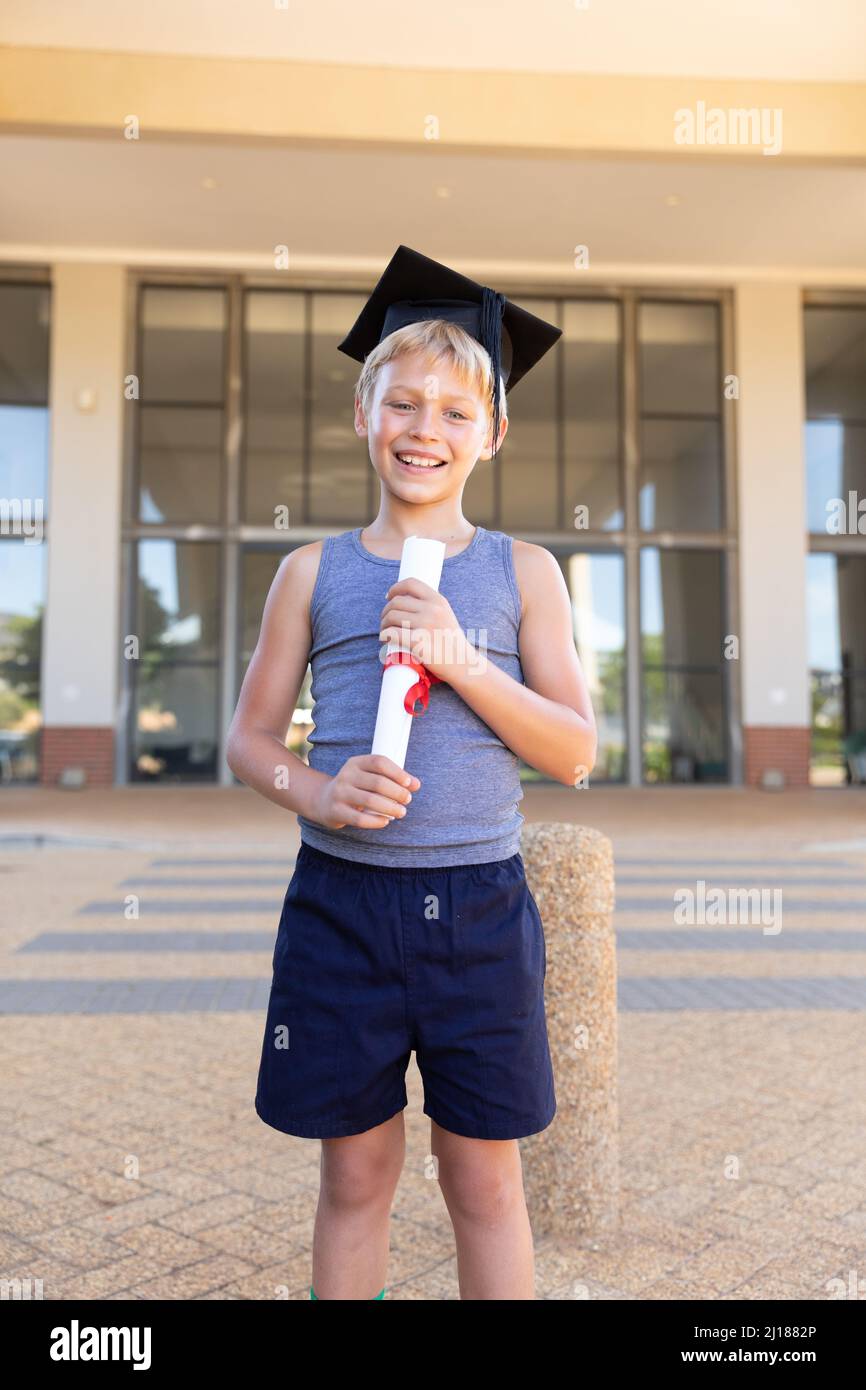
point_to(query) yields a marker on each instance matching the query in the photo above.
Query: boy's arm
(255, 747)
(549, 721)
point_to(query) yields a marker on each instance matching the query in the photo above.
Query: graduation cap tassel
(492, 308)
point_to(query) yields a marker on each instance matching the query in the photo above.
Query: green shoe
(318, 1300)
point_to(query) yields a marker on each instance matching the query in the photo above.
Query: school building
(192, 217)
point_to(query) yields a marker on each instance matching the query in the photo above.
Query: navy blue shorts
(373, 962)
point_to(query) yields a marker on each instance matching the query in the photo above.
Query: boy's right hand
(369, 790)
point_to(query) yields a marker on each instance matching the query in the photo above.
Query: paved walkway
(132, 1164)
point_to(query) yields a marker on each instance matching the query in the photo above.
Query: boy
(408, 923)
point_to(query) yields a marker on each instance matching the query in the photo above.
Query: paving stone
(26, 1221)
(168, 1247)
(723, 992)
(587, 1292)
(764, 1287)
(733, 863)
(722, 1266)
(19, 1153)
(221, 864)
(831, 1199)
(745, 1198)
(40, 1128)
(742, 938)
(204, 1279)
(96, 996)
(204, 1217)
(648, 1225)
(251, 880)
(291, 1275)
(629, 1264)
(81, 1248)
(669, 1290)
(52, 1272)
(439, 1284)
(298, 1211)
(118, 942)
(183, 1182)
(808, 1267)
(110, 1278)
(247, 1242)
(678, 1202)
(13, 1250)
(96, 1182)
(151, 1207)
(855, 1221)
(152, 906)
(266, 1184)
(23, 1185)
(791, 903)
(786, 877)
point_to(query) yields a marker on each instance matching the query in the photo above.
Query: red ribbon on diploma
(421, 689)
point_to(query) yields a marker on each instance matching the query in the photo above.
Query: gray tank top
(466, 810)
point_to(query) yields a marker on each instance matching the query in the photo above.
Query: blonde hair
(440, 341)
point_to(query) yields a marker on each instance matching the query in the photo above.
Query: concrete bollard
(571, 1169)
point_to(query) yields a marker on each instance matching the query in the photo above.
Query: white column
(770, 416)
(80, 655)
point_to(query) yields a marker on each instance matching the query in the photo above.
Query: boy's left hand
(420, 620)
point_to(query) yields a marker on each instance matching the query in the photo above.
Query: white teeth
(419, 462)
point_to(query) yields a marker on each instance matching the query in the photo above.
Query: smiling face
(422, 411)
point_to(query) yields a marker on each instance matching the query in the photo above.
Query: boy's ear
(360, 419)
(487, 451)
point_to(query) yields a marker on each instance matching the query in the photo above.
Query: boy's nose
(423, 429)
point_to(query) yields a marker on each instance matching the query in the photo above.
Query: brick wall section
(77, 746)
(784, 747)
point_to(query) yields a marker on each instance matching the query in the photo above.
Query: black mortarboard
(412, 288)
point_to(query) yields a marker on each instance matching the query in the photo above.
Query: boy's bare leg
(351, 1236)
(482, 1183)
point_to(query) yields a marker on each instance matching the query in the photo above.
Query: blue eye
(398, 405)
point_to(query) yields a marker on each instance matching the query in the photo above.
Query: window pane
(182, 345)
(683, 734)
(591, 344)
(175, 723)
(180, 464)
(679, 359)
(178, 600)
(25, 326)
(680, 481)
(274, 406)
(680, 469)
(259, 568)
(340, 460)
(836, 615)
(683, 713)
(835, 467)
(22, 585)
(24, 457)
(835, 349)
(527, 461)
(597, 587)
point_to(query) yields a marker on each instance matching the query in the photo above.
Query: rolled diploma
(421, 559)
